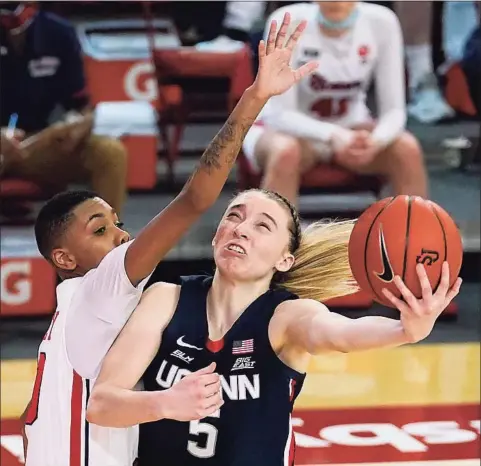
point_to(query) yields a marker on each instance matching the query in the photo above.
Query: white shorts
(323, 151)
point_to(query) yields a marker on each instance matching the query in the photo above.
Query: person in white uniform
(326, 117)
(104, 273)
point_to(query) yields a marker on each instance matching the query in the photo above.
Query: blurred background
(162, 78)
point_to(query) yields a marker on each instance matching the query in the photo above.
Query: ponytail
(321, 269)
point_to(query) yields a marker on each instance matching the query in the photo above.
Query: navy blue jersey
(253, 427)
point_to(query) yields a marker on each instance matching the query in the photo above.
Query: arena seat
(457, 91)
(17, 198)
(194, 87)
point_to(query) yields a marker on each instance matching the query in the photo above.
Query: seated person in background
(42, 69)
(239, 20)
(325, 117)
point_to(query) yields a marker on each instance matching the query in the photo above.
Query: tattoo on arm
(222, 151)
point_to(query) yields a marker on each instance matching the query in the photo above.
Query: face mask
(17, 16)
(338, 25)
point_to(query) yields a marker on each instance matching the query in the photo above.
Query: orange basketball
(395, 234)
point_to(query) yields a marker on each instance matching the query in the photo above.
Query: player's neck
(333, 33)
(227, 300)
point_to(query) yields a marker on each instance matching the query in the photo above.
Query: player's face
(336, 11)
(252, 239)
(94, 231)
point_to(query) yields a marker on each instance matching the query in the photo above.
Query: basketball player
(104, 273)
(261, 337)
(326, 118)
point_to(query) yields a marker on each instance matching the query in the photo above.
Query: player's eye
(233, 214)
(100, 231)
(265, 225)
(119, 225)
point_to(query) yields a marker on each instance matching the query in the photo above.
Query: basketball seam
(406, 243)
(445, 243)
(365, 248)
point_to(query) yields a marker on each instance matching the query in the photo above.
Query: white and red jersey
(335, 95)
(91, 311)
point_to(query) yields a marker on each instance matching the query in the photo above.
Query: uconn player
(104, 274)
(326, 117)
(260, 337)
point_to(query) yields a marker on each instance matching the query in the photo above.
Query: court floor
(412, 406)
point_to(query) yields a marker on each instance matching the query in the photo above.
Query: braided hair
(321, 269)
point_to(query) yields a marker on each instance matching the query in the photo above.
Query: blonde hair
(321, 270)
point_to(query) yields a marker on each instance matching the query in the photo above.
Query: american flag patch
(243, 346)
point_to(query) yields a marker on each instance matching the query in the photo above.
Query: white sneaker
(428, 104)
(220, 44)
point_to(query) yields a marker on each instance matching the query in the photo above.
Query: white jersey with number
(335, 94)
(91, 311)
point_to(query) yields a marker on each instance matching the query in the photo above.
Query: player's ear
(285, 263)
(64, 260)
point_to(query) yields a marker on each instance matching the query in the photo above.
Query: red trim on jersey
(76, 408)
(258, 123)
(214, 346)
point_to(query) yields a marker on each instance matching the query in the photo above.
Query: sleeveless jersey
(253, 427)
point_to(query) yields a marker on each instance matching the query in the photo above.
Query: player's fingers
(443, 287)
(294, 37)
(262, 50)
(211, 389)
(453, 292)
(401, 306)
(271, 38)
(409, 298)
(214, 400)
(281, 35)
(305, 70)
(205, 370)
(427, 291)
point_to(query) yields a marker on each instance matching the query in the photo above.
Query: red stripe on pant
(76, 409)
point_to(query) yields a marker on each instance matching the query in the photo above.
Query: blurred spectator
(426, 102)
(239, 20)
(42, 69)
(471, 63)
(325, 117)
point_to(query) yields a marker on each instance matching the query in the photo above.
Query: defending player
(260, 336)
(104, 273)
(325, 118)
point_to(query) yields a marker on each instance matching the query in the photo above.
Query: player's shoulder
(294, 308)
(56, 24)
(298, 11)
(378, 14)
(161, 290)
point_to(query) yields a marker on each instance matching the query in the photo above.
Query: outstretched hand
(418, 316)
(275, 75)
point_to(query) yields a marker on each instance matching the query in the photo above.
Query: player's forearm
(116, 407)
(389, 127)
(371, 332)
(300, 125)
(361, 334)
(206, 183)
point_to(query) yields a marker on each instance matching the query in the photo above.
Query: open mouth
(236, 248)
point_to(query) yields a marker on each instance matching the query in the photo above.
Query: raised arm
(115, 403)
(309, 325)
(203, 188)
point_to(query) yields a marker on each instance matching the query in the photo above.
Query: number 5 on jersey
(207, 450)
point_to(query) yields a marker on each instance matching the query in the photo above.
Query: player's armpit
(309, 325)
(113, 401)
